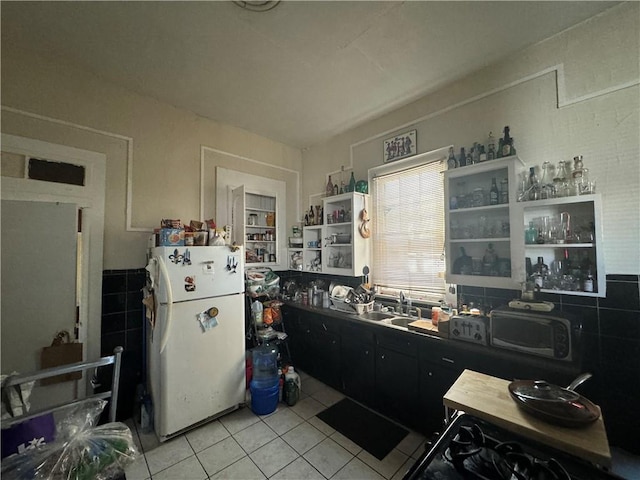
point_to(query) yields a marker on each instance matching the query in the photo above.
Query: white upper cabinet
(479, 244)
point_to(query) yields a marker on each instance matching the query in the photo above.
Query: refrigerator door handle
(167, 283)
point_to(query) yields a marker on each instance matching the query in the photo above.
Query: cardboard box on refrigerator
(170, 237)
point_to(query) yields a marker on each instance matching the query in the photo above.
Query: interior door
(39, 255)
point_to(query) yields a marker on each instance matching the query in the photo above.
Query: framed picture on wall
(400, 146)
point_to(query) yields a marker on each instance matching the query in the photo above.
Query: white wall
(158, 146)
(575, 93)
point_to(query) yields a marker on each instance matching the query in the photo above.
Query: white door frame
(89, 198)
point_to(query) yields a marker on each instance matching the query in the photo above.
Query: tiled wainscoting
(122, 321)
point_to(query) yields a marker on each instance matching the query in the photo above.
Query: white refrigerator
(195, 346)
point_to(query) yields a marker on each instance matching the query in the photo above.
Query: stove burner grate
(479, 456)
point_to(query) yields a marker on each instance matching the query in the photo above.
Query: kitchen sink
(376, 316)
(400, 321)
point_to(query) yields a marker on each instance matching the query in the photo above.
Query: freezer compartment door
(200, 373)
(199, 272)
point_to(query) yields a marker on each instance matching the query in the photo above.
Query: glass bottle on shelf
(463, 264)
(475, 155)
(534, 185)
(504, 191)
(530, 234)
(329, 188)
(490, 261)
(451, 161)
(506, 142)
(483, 154)
(494, 195)
(540, 272)
(491, 147)
(560, 184)
(462, 159)
(352, 183)
(546, 182)
(312, 219)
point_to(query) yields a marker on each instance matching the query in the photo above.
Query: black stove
(471, 448)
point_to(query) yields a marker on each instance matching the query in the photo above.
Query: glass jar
(253, 219)
(478, 197)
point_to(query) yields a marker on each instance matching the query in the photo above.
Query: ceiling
(298, 73)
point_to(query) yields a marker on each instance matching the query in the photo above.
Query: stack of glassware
(561, 181)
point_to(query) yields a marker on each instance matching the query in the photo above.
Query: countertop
(488, 398)
(568, 369)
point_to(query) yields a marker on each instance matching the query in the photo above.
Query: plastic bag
(81, 451)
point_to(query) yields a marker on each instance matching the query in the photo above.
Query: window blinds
(408, 233)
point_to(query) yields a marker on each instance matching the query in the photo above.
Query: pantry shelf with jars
(256, 225)
(479, 216)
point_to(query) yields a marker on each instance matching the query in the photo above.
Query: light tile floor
(291, 443)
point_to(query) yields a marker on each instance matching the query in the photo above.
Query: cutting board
(488, 398)
(424, 326)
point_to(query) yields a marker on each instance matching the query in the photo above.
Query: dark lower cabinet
(435, 380)
(358, 370)
(325, 350)
(396, 386)
(402, 375)
(314, 342)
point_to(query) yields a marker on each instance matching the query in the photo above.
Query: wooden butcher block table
(488, 398)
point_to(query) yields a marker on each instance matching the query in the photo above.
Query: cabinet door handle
(448, 360)
(324, 326)
(366, 352)
(382, 357)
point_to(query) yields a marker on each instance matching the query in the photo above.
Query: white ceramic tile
(255, 436)
(239, 420)
(220, 455)
(328, 457)
(273, 456)
(148, 441)
(137, 470)
(243, 469)
(399, 475)
(283, 421)
(297, 470)
(207, 435)
(327, 396)
(168, 453)
(352, 447)
(308, 407)
(187, 469)
(303, 437)
(388, 466)
(320, 425)
(412, 443)
(310, 385)
(356, 469)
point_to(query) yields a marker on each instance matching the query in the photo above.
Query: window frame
(438, 155)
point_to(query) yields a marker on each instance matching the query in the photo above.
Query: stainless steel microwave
(549, 335)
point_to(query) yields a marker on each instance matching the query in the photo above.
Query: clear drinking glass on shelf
(546, 182)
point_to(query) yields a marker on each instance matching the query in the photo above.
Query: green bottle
(352, 183)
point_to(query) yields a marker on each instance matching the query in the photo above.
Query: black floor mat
(374, 433)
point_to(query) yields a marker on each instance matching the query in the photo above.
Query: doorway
(51, 268)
